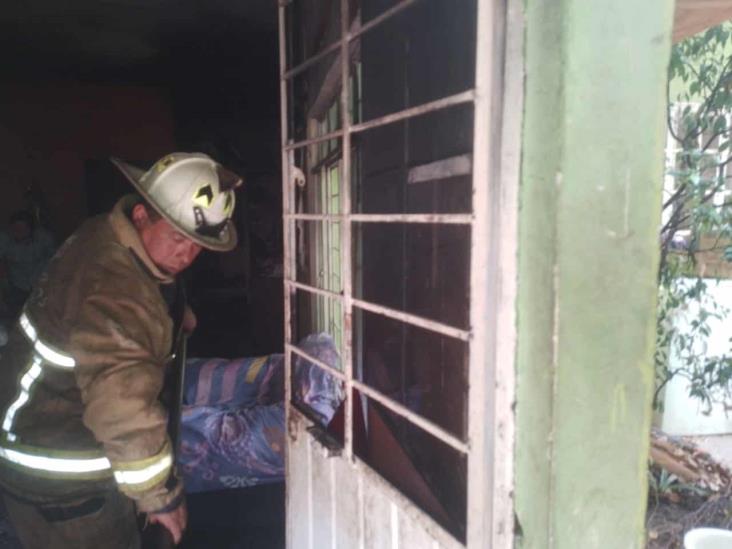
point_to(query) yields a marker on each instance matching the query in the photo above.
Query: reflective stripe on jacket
(83, 370)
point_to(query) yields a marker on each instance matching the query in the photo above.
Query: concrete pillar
(592, 162)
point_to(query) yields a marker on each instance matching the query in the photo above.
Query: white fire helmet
(193, 192)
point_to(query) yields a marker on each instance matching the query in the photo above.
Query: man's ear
(140, 219)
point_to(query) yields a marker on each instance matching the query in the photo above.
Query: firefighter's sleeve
(118, 342)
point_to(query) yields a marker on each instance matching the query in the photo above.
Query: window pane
(311, 95)
(312, 26)
(317, 314)
(425, 52)
(425, 371)
(319, 254)
(320, 165)
(423, 468)
(419, 165)
(422, 269)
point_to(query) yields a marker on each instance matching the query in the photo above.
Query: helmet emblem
(229, 204)
(164, 163)
(204, 195)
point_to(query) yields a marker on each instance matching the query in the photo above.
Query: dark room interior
(87, 80)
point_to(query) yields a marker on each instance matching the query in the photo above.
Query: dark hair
(23, 216)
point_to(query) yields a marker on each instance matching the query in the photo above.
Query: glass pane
(421, 269)
(419, 165)
(423, 468)
(314, 100)
(425, 371)
(318, 189)
(316, 392)
(312, 26)
(423, 53)
(319, 254)
(317, 315)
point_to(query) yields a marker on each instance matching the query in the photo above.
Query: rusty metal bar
(305, 65)
(437, 219)
(313, 140)
(450, 101)
(427, 324)
(313, 289)
(388, 14)
(408, 318)
(350, 35)
(401, 410)
(286, 226)
(335, 372)
(441, 219)
(345, 226)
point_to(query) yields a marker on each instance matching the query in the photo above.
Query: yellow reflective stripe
(28, 328)
(141, 474)
(48, 353)
(147, 477)
(54, 464)
(26, 382)
(53, 356)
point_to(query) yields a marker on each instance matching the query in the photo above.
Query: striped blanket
(233, 420)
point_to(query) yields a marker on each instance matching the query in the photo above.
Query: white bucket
(708, 538)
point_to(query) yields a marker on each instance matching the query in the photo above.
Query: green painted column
(591, 175)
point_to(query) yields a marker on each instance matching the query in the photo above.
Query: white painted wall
(682, 414)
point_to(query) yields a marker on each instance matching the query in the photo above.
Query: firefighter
(83, 440)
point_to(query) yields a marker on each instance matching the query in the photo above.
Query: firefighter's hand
(189, 320)
(174, 521)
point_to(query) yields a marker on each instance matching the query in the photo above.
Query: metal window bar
(427, 324)
(408, 318)
(350, 35)
(450, 101)
(335, 372)
(288, 190)
(416, 419)
(346, 242)
(443, 219)
(394, 406)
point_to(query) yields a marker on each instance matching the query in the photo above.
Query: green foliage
(665, 485)
(698, 215)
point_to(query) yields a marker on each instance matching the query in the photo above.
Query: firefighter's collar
(130, 239)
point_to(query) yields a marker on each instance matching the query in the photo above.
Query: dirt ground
(670, 515)
(687, 488)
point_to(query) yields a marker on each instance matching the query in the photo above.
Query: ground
(690, 486)
(667, 522)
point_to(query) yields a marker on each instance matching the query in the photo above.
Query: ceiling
(135, 40)
(693, 16)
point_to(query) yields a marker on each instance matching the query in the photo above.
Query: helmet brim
(226, 241)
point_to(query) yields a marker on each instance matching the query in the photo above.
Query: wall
(592, 160)
(49, 130)
(683, 414)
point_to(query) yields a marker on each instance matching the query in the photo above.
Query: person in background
(25, 249)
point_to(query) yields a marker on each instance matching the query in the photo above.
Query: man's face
(169, 249)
